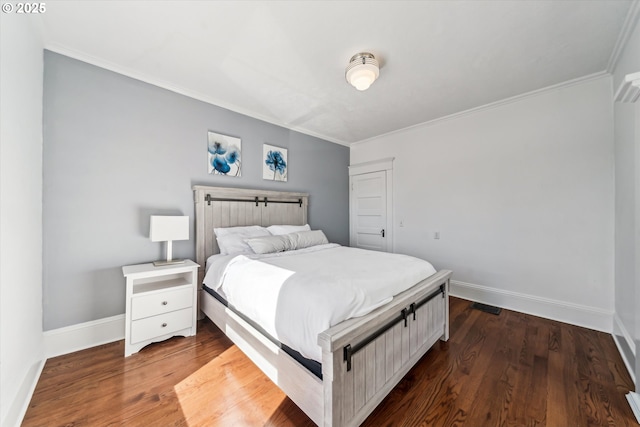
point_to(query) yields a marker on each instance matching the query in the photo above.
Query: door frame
(382, 165)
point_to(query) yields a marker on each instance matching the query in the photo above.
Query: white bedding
(295, 295)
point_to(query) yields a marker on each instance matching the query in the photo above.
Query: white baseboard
(627, 363)
(634, 402)
(618, 326)
(20, 404)
(83, 335)
(575, 314)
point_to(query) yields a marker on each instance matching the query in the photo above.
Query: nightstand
(161, 302)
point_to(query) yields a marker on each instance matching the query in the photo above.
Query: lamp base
(170, 262)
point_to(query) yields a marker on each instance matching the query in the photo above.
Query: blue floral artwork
(274, 167)
(224, 155)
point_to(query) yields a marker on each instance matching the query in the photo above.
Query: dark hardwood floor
(506, 370)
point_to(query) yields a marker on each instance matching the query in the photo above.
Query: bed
(362, 358)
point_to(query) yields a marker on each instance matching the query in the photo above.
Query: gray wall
(117, 150)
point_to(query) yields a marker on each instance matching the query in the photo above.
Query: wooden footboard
(364, 358)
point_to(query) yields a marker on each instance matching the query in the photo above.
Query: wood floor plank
(499, 378)
(507, 370)
(556, 386)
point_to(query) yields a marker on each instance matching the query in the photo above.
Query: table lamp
(167, 229)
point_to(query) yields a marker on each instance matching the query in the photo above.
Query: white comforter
(295, 295)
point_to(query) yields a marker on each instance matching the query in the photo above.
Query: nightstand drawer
(163, 324)
(162, 302)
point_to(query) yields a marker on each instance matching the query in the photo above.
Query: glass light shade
(362, 70)
(361, 77)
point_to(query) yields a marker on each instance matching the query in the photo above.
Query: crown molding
(491, 105)
(625, 33)
(146, 78)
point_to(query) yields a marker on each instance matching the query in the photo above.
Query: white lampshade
(166, 229)
(362, 70)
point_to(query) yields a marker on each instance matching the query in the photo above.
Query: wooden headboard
(233, 207)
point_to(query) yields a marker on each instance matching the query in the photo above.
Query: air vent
(486, 308)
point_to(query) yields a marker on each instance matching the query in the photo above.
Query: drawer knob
(164, 325)
(164, 303)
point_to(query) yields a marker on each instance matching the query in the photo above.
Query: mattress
(295, 295)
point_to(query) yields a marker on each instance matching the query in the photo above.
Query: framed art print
(274, 163)
(224, 155)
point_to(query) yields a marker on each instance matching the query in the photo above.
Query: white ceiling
(284, 61)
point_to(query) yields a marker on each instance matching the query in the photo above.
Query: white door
(369, 211)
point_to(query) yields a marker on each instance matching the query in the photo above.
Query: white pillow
(247, 231)
(277, 230)
(305, 239)
(231, 240)
(269, 244)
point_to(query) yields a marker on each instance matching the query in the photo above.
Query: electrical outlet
(436, 235)
(401, 223)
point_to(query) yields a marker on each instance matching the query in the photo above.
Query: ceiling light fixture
(362, 70)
